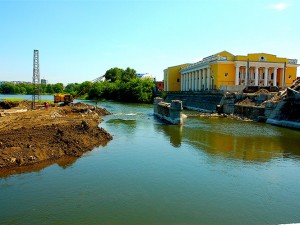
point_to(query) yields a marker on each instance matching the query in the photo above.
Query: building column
(181, 76)
(208, 78)
(196, 80)
(204, 79)
(183, 84)
(246, 76)
(260, 77)
(190, 80)
(185, 81)
(193, 81)
(266, 76)
(200, 80)
(275, 76)
(256, 76)
(237, 79)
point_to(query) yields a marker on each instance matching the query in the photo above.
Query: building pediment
(224, 53)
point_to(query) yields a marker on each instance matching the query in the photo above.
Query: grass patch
(22, 99)
(13, 99)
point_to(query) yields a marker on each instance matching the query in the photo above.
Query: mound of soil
(8, 104)
(36, 136)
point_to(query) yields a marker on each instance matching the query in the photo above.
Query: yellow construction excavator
(67, 98)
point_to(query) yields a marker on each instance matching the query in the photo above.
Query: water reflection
(63, 163)
(173, 132)
(233, 139)
(124, 125)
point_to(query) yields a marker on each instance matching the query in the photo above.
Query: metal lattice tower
(36, 79)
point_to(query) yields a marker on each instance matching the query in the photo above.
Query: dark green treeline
(119, 84)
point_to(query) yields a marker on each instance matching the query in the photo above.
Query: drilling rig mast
(36, 95)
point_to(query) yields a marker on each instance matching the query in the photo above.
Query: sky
(80, 40)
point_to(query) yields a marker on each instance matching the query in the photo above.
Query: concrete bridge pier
(170, 112)
(175, 111)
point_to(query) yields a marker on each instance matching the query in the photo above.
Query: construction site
(29, 137)
(35, 132)
(280, 108)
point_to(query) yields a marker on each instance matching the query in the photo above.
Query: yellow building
(226, 69)
(172, 77)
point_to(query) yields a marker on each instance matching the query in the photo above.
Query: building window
(262, 58)
(178, 80)
(226, 74)
(272, 76)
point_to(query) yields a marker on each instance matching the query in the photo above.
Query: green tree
(20, 88)
(128, 74)
(97, 91)
(8, 88)
(139, 90)
(23, 90)
(114, 74)
(49, 89)
(83, 88)
(29, 88)
(43, 88)
(16, 89)
(58, 88)
(70, 88)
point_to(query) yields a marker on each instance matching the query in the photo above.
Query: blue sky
(79, 40)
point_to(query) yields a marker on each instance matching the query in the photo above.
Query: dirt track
(30, 137)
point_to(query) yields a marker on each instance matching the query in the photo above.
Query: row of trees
(119, 84)
(26, 88)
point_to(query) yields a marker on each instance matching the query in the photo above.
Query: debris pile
(35, 136)
(246, 102)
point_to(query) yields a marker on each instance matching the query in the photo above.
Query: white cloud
(280, 6)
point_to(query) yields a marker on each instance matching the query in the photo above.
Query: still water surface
(209, 171)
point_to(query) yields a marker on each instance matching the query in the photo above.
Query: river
(208, 171)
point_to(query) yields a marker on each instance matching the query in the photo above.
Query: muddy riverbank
(29, 137)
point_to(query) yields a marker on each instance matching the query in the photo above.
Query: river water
(208, 171)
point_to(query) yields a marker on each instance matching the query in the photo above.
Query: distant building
(225, 69)
(144, 75)
(20, 82)
(44, 81)
(15, 82)
(159, 86)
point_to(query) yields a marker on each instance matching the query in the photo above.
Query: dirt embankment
(30, 137)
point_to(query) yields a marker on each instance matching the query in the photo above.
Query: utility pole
(36, 95)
